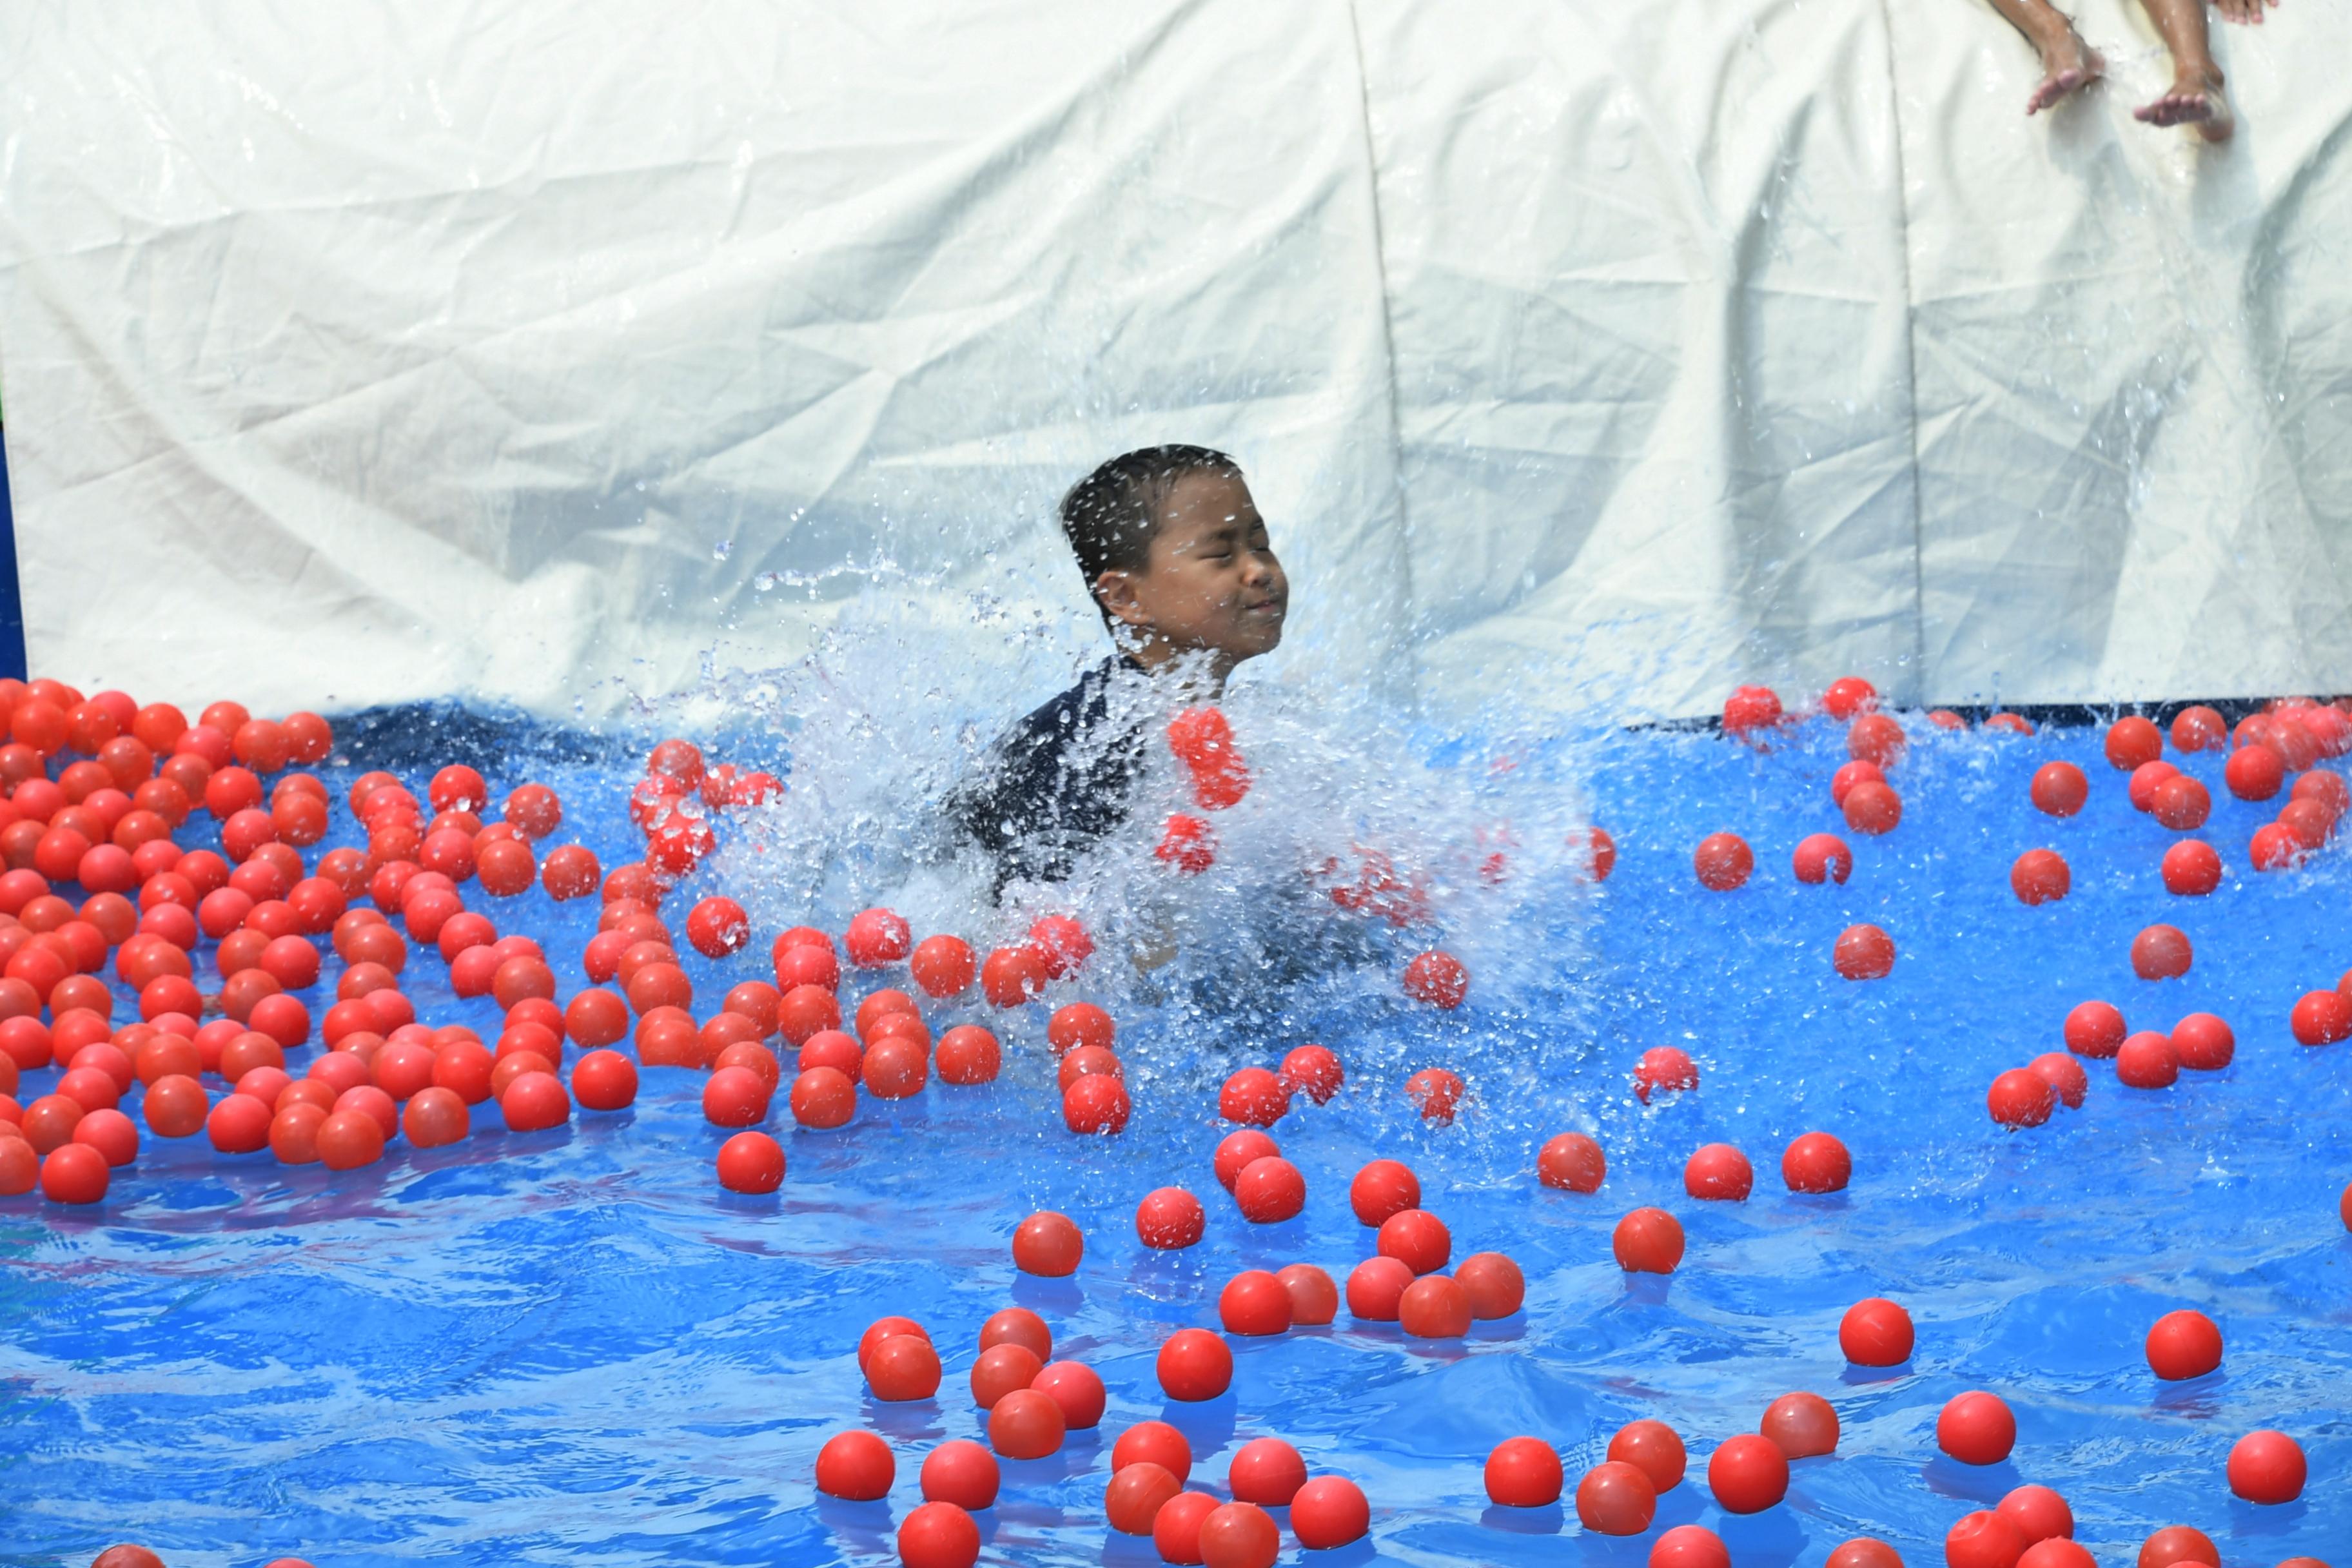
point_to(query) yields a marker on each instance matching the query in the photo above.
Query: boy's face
(1211, 581)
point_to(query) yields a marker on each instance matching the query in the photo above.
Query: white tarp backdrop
(374, 352)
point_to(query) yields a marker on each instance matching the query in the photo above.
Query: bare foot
(2245, 13)
(2194, 101)
(2067, 63)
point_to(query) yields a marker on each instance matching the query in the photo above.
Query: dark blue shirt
(1061, 780)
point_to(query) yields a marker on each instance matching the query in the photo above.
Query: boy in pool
(1177, 561)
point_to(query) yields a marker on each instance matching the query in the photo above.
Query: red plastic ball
(1663, 1067)
(1313, 1299)
(1615, 1499)
(1237, 1151)
(1849, 696)
(1648, 1241)
(1077, 1389)
(1747, 1474)
(875, 938)
(1254, 1098)
(2065, 1076)
(939, 1535)
(1239, 1535)
(1718, 1172)
(1690, 1546)
(1004, 1367)
(2320, 1018)
(605, 1081)
(1494, 1284)
(2021, 1097)
(734, 1097)
(961, 1472)
(1842, 782)
(748, 1163)
(1384, 1188)
(2040, 877)
(1872, 808)
(2132, 742)
(1266, 1471)
(1802, 1425)
(1983, 1540)
(2038, 1512)
(1864, 952)
(2254, 773)
(1436, 1093)
(1976, 1428)
(1194, 1364)
(902, 1367)
(1270, 1190)
(1437, 978)
(1137, 1493)
(1655, 1448)
(1076, 1025)
(1328, 1511)
(1416, 1238)
(1571, 1162)
(2056, 1552)
(2204, 1043)
(1254, 1303)
(1875, 1332)
(535, 1102)
(1864, 1551)
(1153, 1442)
(1434, 1306)
(1013, 976)
(716, 927)
(2147, 1061)
(1750, 709)
(2059, 789)
(943, 966)
(1176, 1528)
(1816, 1162)
(1524, 1472)
(1048, 1245)
(1313, 1071)
(1026, 1424)
(74, 1173)
(1096, 1103)
(968, 1055)
(856, 1464)
(2094, 1029)
(2265, 1467)
(1822, 858)
(2178, 1543)
(1723, 861)
(1375, 1289)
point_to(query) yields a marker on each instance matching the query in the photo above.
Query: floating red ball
(1875, 1332)
(1976, 1428)
(1524, 1472)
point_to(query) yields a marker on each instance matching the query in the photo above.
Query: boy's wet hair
(1110, 515)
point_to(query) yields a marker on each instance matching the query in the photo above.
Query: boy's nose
(1257, 567)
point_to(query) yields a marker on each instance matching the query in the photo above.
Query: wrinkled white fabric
(372, 351)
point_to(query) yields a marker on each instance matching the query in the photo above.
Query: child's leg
(2196, 93)
(2067, 62)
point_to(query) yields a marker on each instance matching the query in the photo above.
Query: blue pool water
(572, 1348)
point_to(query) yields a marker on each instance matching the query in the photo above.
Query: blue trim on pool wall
(12, 601)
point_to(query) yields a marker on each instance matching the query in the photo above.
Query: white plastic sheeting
(374, 352)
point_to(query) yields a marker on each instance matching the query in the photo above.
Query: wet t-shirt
(1062, 779)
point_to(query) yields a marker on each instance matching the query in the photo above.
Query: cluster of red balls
(110, 823)
(1203, 741)
(1033, 1401)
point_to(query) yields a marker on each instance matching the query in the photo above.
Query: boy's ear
(1114, 591)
